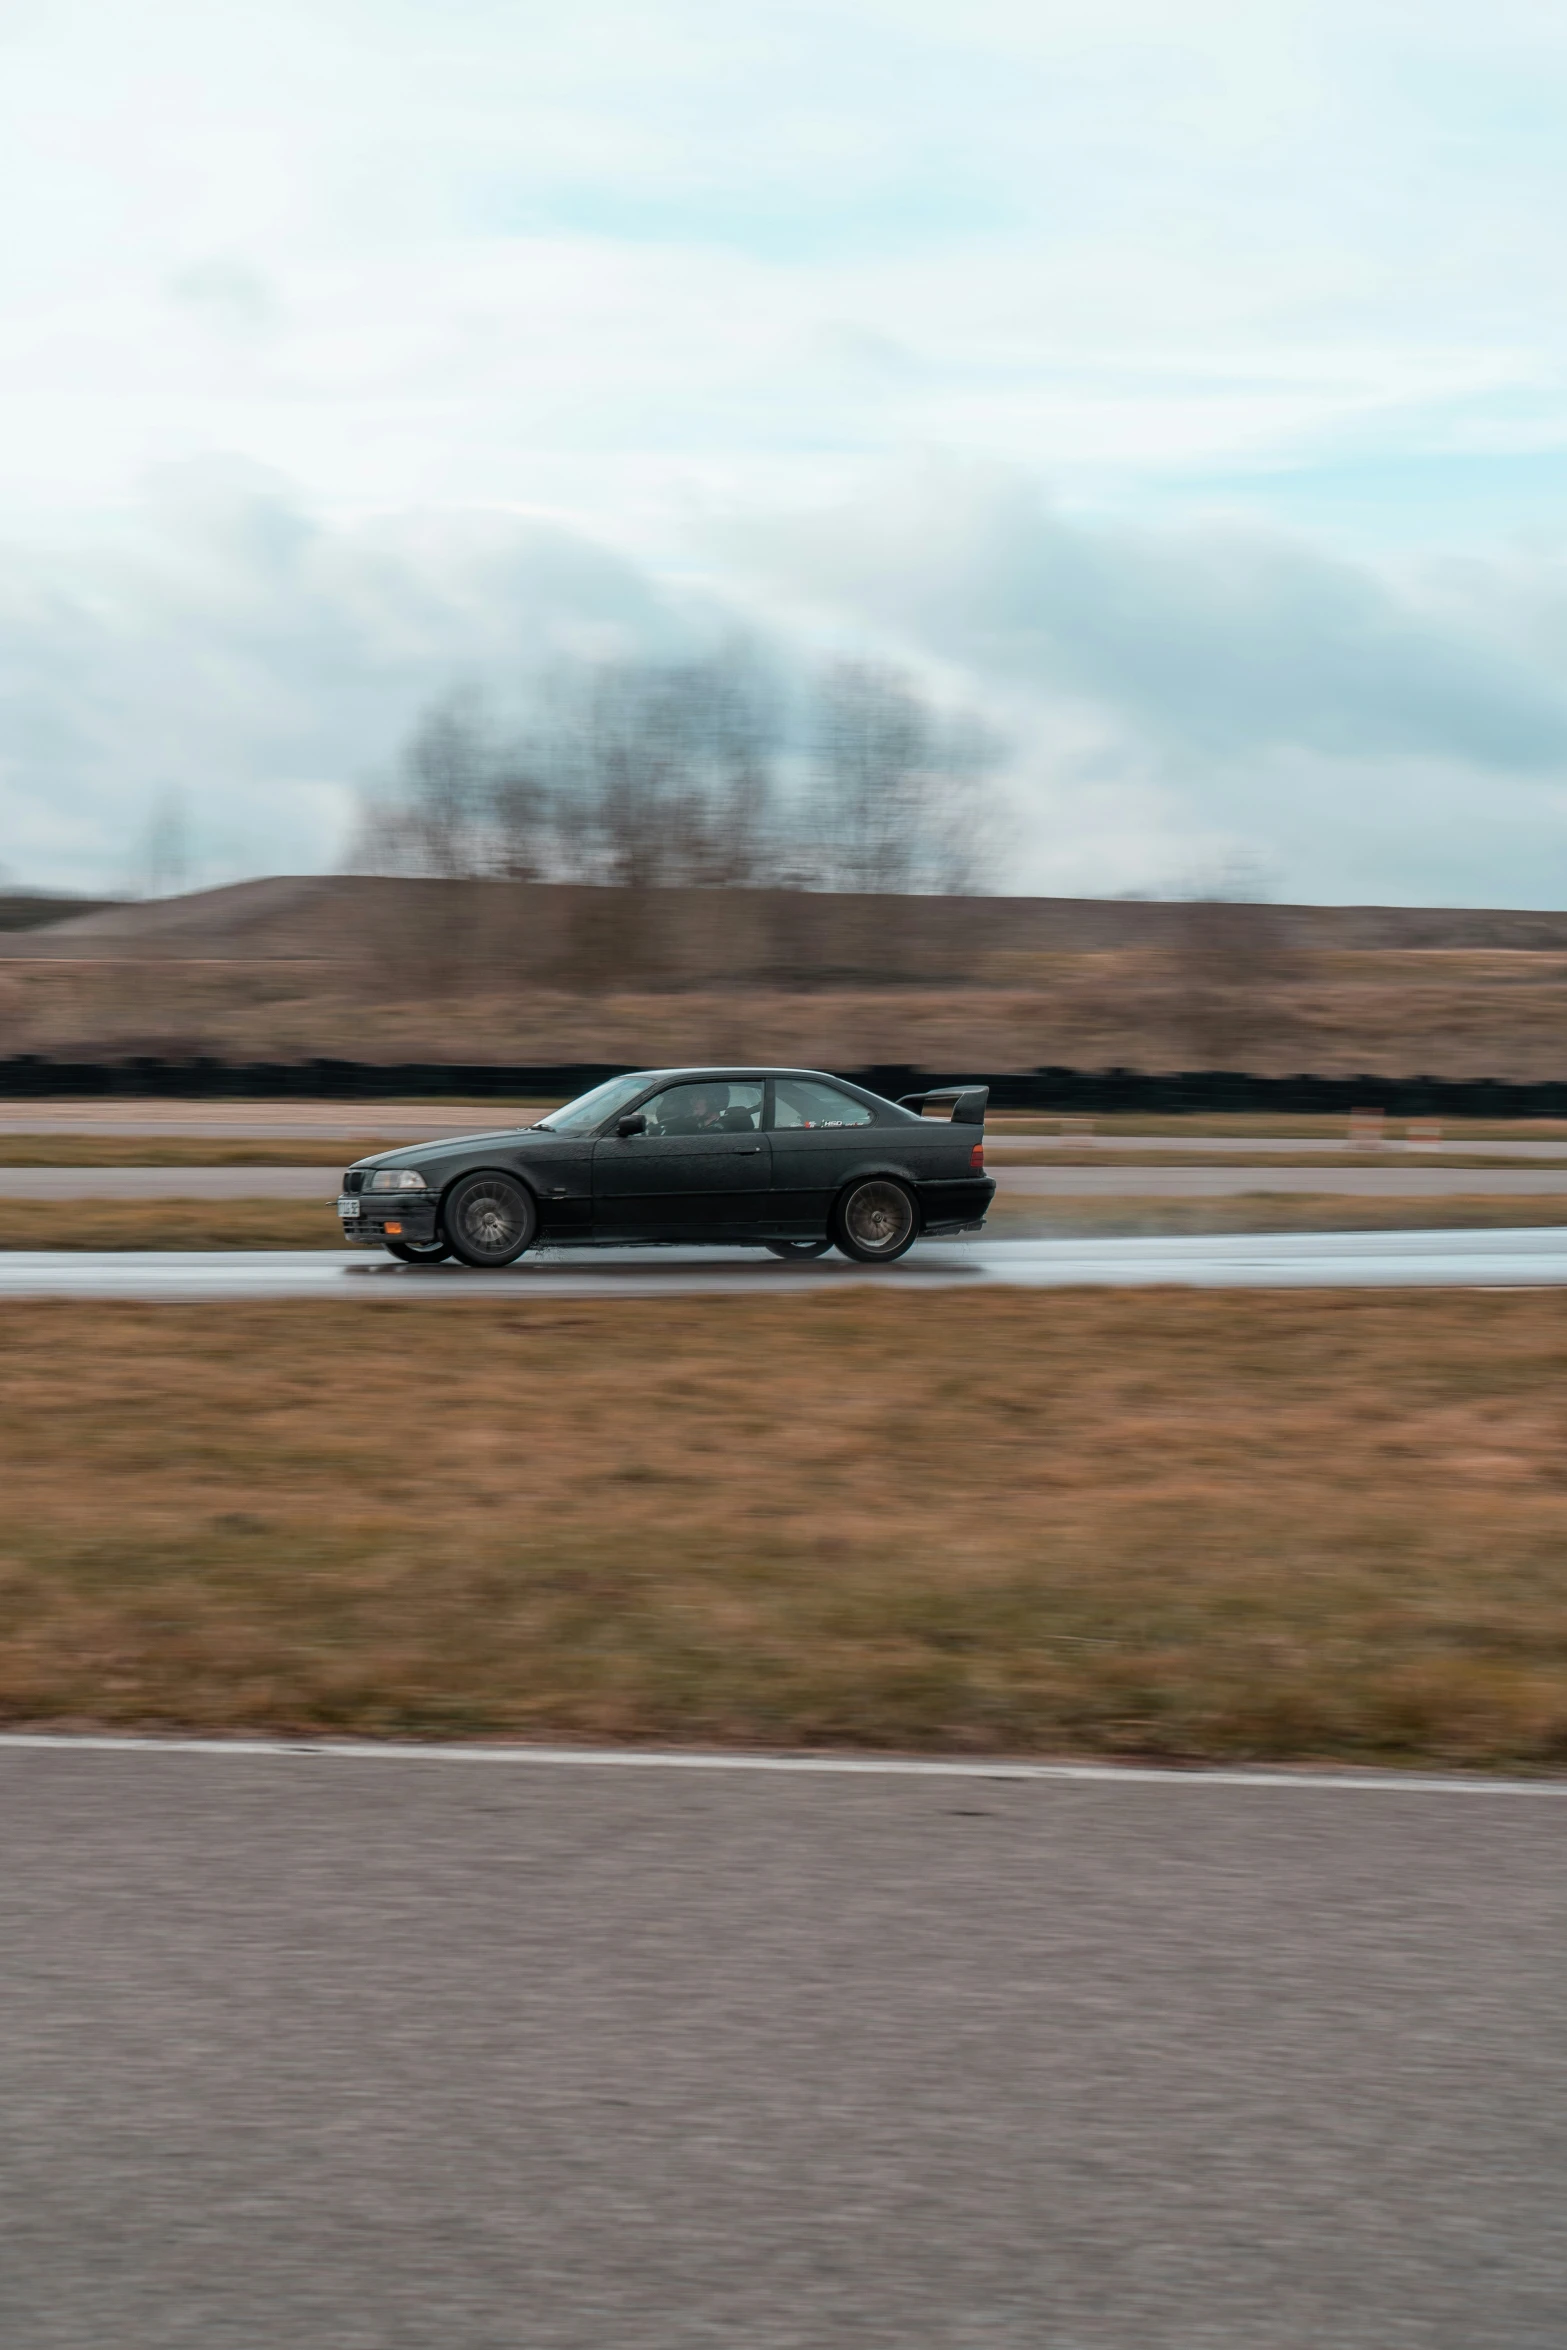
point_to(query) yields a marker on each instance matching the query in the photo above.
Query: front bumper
(388, 1216)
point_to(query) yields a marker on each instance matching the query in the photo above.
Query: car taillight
(976, 1159)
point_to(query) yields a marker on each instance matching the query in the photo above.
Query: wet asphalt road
(308, 2054)
(1524, 1258)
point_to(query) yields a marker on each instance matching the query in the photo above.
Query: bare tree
(662, 773)
(448, 769)
(164, 858)
(736, 727)
(895, 801)
(433, 819)
(522, 828)
(643, 775)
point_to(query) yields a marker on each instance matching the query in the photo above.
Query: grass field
(1263, 1211)
(1133, 1523)
(1469, 1012)
(1173, 1154)
(150, 1150)
(168, 1223)
(1241, 1124)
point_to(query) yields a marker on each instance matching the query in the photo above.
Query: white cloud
(225, 643)
(516, 293)
(1383, 731)
(494, 244)
(1172, 698)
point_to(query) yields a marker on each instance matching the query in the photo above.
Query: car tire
(796, 1251)
(489, 1219)
(876, 1220)
(418, 1252)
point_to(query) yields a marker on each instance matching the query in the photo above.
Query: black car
(783, 1159)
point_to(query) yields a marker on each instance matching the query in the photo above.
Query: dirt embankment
(363, 969)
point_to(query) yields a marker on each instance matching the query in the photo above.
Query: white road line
(652, 1758)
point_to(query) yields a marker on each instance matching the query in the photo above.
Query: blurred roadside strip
(1162, 1182)
(400, 1122)
(257, 1122)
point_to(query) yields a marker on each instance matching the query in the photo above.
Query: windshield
(591, 1109)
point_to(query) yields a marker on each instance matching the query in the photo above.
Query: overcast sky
(1186, 388)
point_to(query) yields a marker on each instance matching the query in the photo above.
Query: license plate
(347, 1208)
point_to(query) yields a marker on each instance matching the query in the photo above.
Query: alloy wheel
(879, 1219)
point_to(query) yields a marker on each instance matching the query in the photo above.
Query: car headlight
(398, 1179)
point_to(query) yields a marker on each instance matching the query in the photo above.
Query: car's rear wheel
(876, 1221)
(489, 1219)
(793, 1250)
(418, 1252)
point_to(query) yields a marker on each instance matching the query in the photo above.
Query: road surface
(1525, 1258)
(387, 2054)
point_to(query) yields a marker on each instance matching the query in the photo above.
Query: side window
(805, 1101)
(705, 1106)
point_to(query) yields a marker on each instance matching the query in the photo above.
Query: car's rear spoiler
(968, 1102)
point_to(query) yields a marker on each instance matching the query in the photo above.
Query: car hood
(409, 1154)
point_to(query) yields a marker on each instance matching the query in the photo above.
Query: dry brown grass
(1185, 1525)
(1173, 1154)
(168, 1223)
(1487, 1012)
(1263, 1211)
(1176, 1126)
(138, 1150)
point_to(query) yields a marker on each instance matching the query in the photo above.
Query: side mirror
(634, 1122)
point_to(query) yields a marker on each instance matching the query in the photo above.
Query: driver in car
(704, 1112)
(707, 1111)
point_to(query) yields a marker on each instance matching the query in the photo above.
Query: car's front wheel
(876, 1221)
(419, 1252)
(489, 1219)
(792, 1251)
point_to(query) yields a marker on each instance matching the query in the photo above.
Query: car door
(699, 1170)
(819, 1133)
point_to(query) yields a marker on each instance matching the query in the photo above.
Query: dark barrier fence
(1087, 1091)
